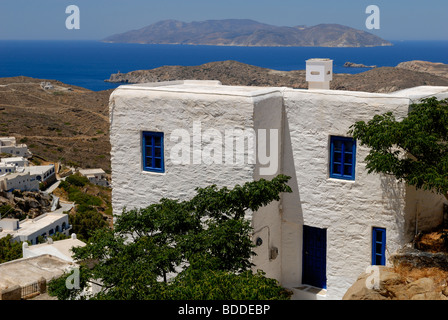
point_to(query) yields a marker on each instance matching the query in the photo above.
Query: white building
(16, 161)
(6, 168)
(61, 248)
(20, 181)
(9, 145)
(43, 174)
(95, 176)
(167, 139)
(44, 225)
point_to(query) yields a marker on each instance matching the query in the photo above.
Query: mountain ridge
(247, 32)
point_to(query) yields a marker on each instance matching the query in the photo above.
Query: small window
(153, 159)
(378, 246)
(342, 158)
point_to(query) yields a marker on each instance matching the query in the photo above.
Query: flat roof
(26, 271)
(32, 225)
(422, 92)
(61, 248)
(202, 87)
(91, 171)
(13, 159)
(38, 169)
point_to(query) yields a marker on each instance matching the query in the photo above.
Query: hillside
(65, 123)
(72, 125)
(438, 69)
(244, 32)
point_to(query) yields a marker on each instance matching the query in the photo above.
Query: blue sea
(88, 63)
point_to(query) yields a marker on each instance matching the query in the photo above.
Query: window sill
(341, 180)
(154, 173)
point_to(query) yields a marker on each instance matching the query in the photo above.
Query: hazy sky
(45, 19)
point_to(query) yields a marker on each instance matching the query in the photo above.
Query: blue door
(314, 271)
(378, 246)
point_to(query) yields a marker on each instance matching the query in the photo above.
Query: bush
(9, 250)
(77, 180)
(222, 285)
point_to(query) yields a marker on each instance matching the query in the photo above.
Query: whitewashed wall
(134, 109)
(347, 209)
(305, 120)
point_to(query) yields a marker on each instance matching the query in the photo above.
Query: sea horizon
(87, 63)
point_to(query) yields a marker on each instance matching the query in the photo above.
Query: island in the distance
(245, 32)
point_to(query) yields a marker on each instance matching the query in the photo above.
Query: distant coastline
(88, 63)
(248, 33)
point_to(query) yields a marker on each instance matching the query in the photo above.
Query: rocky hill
(244, 32)
(64, 122)
(384, 79)
(438, 69)
(71, 124)
(24, 204)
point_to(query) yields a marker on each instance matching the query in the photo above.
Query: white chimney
(319, 73)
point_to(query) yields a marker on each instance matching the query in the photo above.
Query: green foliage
(77, 180)
(87, 219)
(414, 150)
(207, 237)
(85, 222)
(5, 209)
(9, 250)
(222, 285)
(57, 287)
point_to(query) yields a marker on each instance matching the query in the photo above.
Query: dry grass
(432, 241)
(409, 274)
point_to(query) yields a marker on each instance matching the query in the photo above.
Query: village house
(61, 248)
(95, 176)
(16, 173)
(169, 138)
(30, 230)
(8, 145)
(43, 174)
(23, 181)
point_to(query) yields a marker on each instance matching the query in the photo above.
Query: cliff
(244, 32)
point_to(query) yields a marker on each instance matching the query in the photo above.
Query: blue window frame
(378, 246)
(342, 158)
(153, 156)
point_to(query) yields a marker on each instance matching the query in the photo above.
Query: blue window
(378, 246)
(153, 159)
(342, 158)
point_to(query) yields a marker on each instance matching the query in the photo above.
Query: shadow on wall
(292, 216)
(393, 196)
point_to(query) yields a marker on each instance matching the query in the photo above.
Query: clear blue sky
(45, 19)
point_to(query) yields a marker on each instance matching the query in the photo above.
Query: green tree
(414, 150)
(9, 250)
(205, 240)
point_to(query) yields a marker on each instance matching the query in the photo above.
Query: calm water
(88, 63)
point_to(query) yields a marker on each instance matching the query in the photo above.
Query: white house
(43, 174)
(16, 161)
(9, 145)
(18, 180)
(44, 225)
(61, 248)
(169, 138)
(95, 176)
(7, 168)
